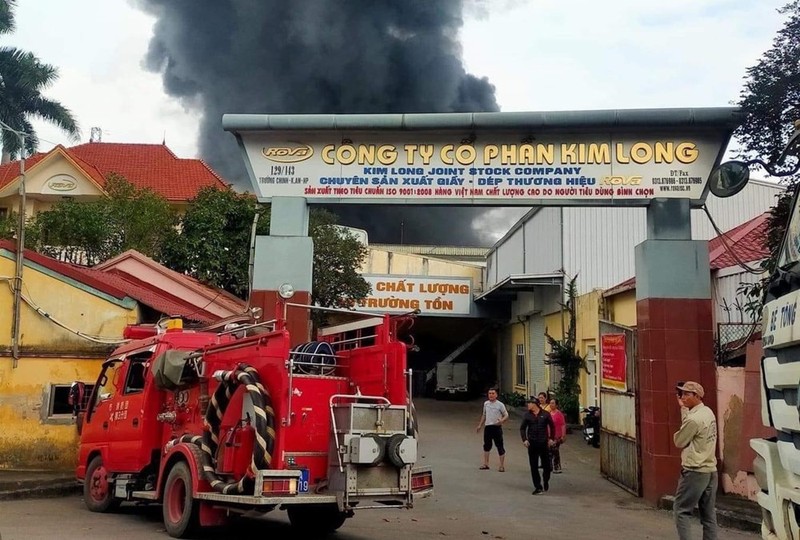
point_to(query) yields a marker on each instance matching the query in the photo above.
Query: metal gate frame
(620, 445)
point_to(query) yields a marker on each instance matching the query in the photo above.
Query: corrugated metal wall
(533, 248)
(599, 242)
(756, 198)
(724, 292)
(536, 359)
(510, 258)
(543, 242)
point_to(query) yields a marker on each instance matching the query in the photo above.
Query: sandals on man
(484, 467)
(501, 469)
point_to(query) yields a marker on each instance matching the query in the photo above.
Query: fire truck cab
(210, 424)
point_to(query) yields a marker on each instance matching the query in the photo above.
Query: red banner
(614, 358)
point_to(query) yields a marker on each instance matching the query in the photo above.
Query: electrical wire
(724, 238)
(48, 316)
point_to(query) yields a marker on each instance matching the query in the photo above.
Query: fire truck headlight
(286, 291)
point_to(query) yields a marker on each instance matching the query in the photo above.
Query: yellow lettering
(687, 152)
(547, 153)
(446, 154)
(326, 154)
(665, 153)
(569, 153)
(621, 157)
(599, 153)
(387, 154)
(490, 152)
(641, 153)
(465, 154)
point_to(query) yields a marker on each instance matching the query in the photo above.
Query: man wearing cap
(697, 439)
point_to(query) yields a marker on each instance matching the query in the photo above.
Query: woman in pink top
(560, 435)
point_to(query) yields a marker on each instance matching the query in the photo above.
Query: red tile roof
(151, 166)
(221, 298)
(745, 243)
(68, 270)
(120, 286)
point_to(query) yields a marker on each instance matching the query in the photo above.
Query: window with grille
(57, 405)
(522, 373)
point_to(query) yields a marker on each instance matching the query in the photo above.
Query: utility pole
(15, 331)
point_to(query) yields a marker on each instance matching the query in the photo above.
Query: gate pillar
(675, 336)
(285, 257)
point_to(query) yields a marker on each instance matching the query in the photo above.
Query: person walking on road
(697, 439)
(492, 419)
(538, 433)
(544, 402)
(561, 434)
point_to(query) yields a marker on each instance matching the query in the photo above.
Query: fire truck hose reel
(401, 450)
(264, 428)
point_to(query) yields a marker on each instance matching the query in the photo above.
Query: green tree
(770, 104)
(213, 241)
(7, 16)
(337, 258)
(23, 78)
(213, 245)
(92, 232)
(564, 355)
(770, 98)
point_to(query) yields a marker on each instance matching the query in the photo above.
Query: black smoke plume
(320, 56)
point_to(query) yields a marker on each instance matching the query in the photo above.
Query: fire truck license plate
(302, 485)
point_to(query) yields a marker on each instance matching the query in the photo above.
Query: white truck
(777, 464)
(452, 379)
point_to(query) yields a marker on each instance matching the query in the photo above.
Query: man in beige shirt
(697, 486)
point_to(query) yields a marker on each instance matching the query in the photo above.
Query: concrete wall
(738, 421)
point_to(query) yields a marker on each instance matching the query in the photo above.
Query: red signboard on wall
(614, 358)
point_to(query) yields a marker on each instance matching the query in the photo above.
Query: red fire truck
(215, 423)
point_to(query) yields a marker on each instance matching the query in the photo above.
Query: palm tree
(22, 79)
(6, 16)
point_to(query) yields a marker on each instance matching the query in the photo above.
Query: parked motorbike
(591, 425)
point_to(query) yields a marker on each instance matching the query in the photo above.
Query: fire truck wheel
(313, 520)
(97, 492)
(180, 509)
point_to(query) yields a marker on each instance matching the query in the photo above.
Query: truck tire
(97, 492)
(314, 520)
(180, 509)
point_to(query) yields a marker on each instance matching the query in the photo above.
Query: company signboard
(492, 168)
(614, 359)
(431, 295)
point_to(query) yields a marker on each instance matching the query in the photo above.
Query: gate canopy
(573, 158)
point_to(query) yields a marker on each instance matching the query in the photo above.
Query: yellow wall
(385, 262)
(588, 314)
(26, 441)
(622, 308)
(49, 355)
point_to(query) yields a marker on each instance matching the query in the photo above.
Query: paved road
(468, 503)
